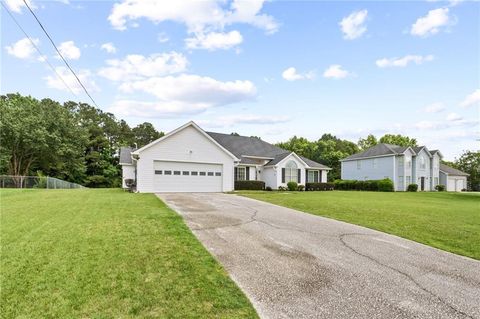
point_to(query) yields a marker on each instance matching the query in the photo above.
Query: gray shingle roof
(125, 155)
(252, 146)
(452, 171)
(377, 150)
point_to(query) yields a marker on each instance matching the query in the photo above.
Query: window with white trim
(409, 180)
(291, 172)
(240, 173)
(313, 177)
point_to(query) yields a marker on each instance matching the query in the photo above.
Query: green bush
(268, 189)
(292, 186)
(250, 185)
(412, 188)
(440, 188)
(300, 188)
(282, 188)
(319, 186)
(385, 185)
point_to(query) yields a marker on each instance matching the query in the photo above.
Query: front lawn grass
(106, 254)
(449, 221)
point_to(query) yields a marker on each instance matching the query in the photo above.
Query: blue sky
(273, 69)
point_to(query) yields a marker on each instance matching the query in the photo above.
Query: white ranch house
(404, 166)
(188, 159)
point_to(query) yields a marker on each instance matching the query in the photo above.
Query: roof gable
(189, 124)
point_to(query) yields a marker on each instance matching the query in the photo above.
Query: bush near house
(412, 188)
(292, 186)
(319, 186)
(300, 188)
(282, 188)
(440, 188)
(383, 185)
(250, 185)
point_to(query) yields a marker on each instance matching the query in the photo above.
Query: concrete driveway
(296, 265)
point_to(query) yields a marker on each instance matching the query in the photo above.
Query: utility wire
(42, 56)
(59, 54)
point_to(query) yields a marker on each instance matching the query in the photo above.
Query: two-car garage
(173, 176)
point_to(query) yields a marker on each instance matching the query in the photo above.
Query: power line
(42, 56)
(59, 54)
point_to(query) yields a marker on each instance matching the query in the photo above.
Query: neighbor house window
(193, 173)
(218, 174)
(240, 174)
(158, 172)
(291, 172)
(375, 163)
(203, 173)
(422, 162)
(359, 165)
(168, 172)
(185, 173)
(176, 172)
(210, 173)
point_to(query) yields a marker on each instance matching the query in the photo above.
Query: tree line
(71, 141)
(80, 143)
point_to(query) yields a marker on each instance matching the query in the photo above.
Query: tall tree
(369, 141)
(398, 139)
(144, 134)
(469, 162)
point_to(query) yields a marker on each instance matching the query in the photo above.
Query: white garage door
(451, 185)
(187, 177)
(460, 185)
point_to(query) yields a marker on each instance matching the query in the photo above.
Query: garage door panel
(187, 177)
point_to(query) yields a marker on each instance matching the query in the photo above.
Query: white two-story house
(403, 165)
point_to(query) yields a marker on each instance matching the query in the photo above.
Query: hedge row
(250, 185)
(382, 185)
(319, 186)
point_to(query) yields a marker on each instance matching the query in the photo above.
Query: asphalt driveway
(296, 265)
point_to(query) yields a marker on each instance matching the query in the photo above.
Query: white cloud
(435, 108)
(403, 62)
(182, 95)
(291, 74)
(84, 75)
(162, 37)
(214, 40)
(135, 66)
(471, 99)
(69, 50)
(198, 16)
(22, 49)
(454, 117)
(254, 119)
(353, 26)
(109, 47)
(17, 5)
(336, 71)
(431, 23)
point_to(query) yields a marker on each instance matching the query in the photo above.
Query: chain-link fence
(10, 181)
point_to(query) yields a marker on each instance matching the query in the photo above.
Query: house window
(359, 165)
(176, 172)
(240, 174)
(158, 172)
(203, 173)
(210, 173)
(218, 174)
(185, 173)
(291, 172)
(435, 181)
(194, 173)
(409, 180)
(168, 172)
(422, 162)
(375, 163)
(313, 176)
(409, 163)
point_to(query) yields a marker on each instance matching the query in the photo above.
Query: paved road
(296, 265)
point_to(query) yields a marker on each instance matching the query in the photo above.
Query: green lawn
(106, 254)
(449, 221)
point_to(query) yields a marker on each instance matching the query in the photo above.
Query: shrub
(440, 188)
(464, 190)
(300, 188)
(385, 185)
(282, 188)
(130, 183)
(268, 189)
(249, 185)
(412, 188)
(319, 186)
(292, 186)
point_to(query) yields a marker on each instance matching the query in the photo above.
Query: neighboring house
(403, 165)
(189, 159)
(452, 178)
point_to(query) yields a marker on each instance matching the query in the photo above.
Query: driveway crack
(412, 279)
